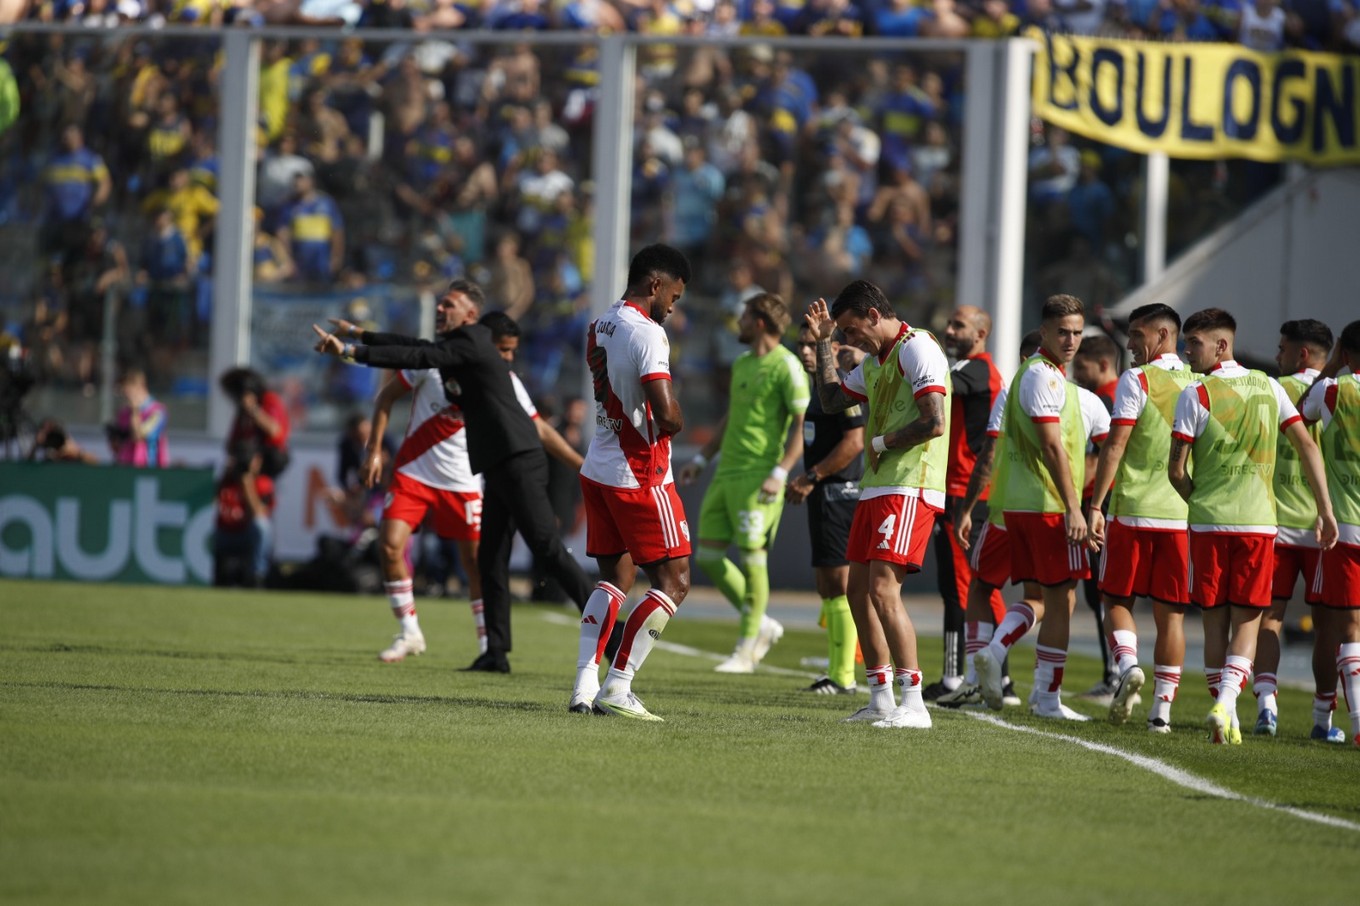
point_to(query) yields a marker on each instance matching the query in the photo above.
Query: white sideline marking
(1174, 774)
(1160, 768)
(563, 620)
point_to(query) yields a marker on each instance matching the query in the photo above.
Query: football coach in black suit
(503, 445)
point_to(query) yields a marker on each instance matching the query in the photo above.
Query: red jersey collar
(631, 304)
(1056, 364)
(883, 356)
(1226, 363)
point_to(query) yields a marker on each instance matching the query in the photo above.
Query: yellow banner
(1201, 101)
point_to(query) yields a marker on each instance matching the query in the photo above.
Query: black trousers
(954, 575)
(515, 497)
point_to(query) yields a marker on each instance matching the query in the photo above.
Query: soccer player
(904, 379)
(1144, 544)
(503, 445)
(976, 385)
(431, 476)
(1304, 346)
(833, 466)
(1042, 474)
(989, 559)
(1335, 403)
(995, 561)
(505, 334)
(634, 516)
(1096, 368)
(758, 442)
(1229, 418)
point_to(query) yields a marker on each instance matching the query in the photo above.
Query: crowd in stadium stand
(1261, 24)
(416, 162)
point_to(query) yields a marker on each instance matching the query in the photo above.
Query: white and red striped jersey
(625, 350)
(1094, 419)
(434, 451)
(1131, 393)
(1192, 406)
(997, 417)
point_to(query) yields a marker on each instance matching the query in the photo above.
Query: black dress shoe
(489, 662)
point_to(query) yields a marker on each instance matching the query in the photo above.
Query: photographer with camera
(137, 433)
(51, 443)
(244, 539)
(261, 418)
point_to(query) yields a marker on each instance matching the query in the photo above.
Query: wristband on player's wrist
(779, 473)
(880, 444)
(811, 477)
(699, 461)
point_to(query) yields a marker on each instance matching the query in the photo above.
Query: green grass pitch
(195, 746)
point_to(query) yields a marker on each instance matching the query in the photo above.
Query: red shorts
(1229, 568)
(1291, 562)
(894, 528)
(647, 523)
(990, 557)
(1145, 563)
(1040, 551)
(454, 514)
(1341, 577)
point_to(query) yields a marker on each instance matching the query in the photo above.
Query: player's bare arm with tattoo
(1175, 468)
(830, 393)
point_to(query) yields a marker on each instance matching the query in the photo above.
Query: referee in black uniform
(503, 445)
(832, 446)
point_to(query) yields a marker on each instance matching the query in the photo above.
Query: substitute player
(758, 441)
(904, 379)
(1304, 346)
(1042, 475)
(1229, 418)
(634, 517)
(431, 476)
(1334, 402)
(1144, 543)
(833, 466)
(976, 385)
(1023, 615)
(1096, 368)
(1302, 353)
(989, 559)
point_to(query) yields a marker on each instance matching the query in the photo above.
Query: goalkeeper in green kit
(757, 443)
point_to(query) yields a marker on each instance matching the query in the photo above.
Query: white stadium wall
(1292, 255)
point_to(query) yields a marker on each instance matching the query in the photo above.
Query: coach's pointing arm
(347, 330)
(396, 351)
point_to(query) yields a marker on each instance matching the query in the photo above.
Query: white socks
(403, 604)
(644, 627)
